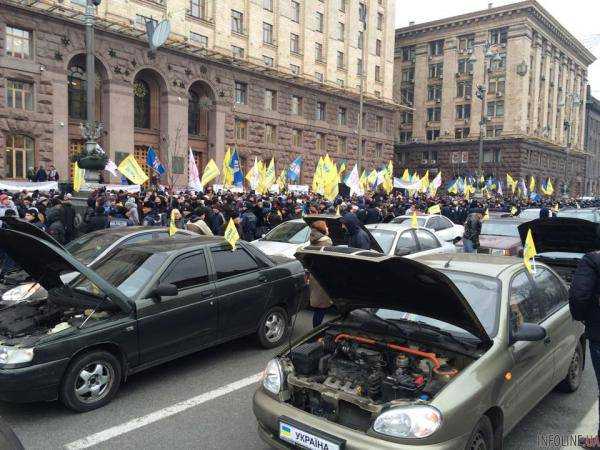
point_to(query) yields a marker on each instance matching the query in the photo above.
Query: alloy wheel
(274, 327)
(94, 382)
(478, 442)
(575, 369)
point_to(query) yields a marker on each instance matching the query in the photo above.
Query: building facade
(531, 74)
(592, 144)
(203, 94)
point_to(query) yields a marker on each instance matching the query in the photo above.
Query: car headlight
(23, 292)
(15, 355)
(409, 422)
(273, 377)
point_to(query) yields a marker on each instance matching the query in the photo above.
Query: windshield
(500, 228)
(89, 246)
(384, 238)
(482, 293)
(290, 232)
(127, 269)
(530, 213)
(407, 219)
(579, 214)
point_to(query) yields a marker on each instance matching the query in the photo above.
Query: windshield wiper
(423, 326)
(373, 315)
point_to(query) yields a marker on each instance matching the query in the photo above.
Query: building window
(267, 33)
(268, 5)
(498, 36)
(241, 93)
(340, 82)
(378, 150)
(241, 129)
(340, 60)
(320, 23)
(408, 53)
(320, 142)
(466, 43)
(492, 156)
(433, 135)
(342, 5)
(363, 121)
(320, 111)
(378, 47)
(237, 22)
(270, 134)
(294, 43)
(434, 92)
(270, 100)
(20, 155)
(463, 89)
(408, 75)
(296, 105)
(198, 8)
(500, 64)
(319, 77)
(268, 61)
(318, 52)
(360, 40)
(359, 65)
(19, 95)
(296, 138)
(342, 116)
(405, 136)
(465, 66)
(379, 21)
(341, 144)
(496, 131)
(197, 113)
(295, 69)
(495, 109)
(199, 39)
(463, 111)
(18, 43)
(237, 52)
(378, 74)
(436, 70)
(436, 48)
(461, 133)
(341, 31)
(295, 11)
(379, 124)
(141, 104)
(407, 96)
(497, 86)
(406, 117)
(434, 114)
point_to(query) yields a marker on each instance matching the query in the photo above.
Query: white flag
(112, 168)
(353, 182)
(436, 182)
(194, 177)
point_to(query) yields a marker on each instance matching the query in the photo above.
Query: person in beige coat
(319, 300)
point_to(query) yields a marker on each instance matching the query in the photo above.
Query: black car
(139, 306)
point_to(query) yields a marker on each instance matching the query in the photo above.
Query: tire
(91, 381)
(482, 437)
(574, 376)
(273, 328)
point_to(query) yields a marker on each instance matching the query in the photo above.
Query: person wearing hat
(319, 300)
(6, 204)
(32, 216)
(199, 225)
(472, 231)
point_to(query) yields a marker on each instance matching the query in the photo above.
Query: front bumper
(39, 382)
(268, 410)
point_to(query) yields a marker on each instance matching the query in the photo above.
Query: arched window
(193, 113)
(20, 155)
(77, 97)
(141, 104)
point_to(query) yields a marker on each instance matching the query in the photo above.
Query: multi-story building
(592, 144)
(531, 74)
(270, 78)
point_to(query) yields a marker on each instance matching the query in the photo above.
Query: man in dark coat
(41, 175)
(54, 222)
(358, 238)
(99, 221)
(69, 216)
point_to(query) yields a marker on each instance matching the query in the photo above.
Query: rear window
(289, 232)
(384, 238)
(500, 228)
(230, 263)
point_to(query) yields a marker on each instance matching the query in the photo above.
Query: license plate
(291, 432)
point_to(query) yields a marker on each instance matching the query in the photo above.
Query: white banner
(400, 184)
(300, 188)
(132, 188)
(17, 186)
(220, 187)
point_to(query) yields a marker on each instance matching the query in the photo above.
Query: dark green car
(139, 306)
(439, 352)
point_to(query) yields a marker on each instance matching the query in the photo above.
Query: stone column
(60, 123)
(534, 73)
(545, 86)
(421, 77)
(562, 87)
(174, 132)
(554, 95)
(478, 76)
(118, 119)
(518, 51)
(216, 135)
(583, 95)
(449, 88)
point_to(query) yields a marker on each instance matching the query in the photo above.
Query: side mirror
(165, 290)
(529, 332)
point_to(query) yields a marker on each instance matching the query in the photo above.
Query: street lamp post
(573, 100)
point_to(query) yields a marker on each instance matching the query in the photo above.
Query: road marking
(140, 422)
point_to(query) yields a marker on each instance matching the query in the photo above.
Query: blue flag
(293, 172)
(234, 164)
(153, 161)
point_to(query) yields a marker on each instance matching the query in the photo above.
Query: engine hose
(430, 356)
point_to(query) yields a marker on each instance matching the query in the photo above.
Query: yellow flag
(317, 184)
(529, 251)
(270, 175)
(363, 181)
(231, 234)
(372, 178)
(531, 184)
(413, 220)
(227, 171)
(130, 168)
(435, 209)
(331, 187)
(78, 177)
(281, 180)
(406, 176)
(486, 214)
(424, 182)
(211, 171)
(511, 182)
(172, 226)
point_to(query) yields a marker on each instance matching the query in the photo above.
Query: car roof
(481, 264)
(169, 245)
(419, 216)
(388, 226)
(128, 231)
(497, 219)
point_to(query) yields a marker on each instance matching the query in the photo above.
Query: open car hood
(562, 234)
(45, 262)
(373, 281)
(337, 234)
(12, 223)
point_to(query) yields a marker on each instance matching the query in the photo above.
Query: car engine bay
(349, 378)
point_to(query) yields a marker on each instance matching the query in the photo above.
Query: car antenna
(448, 262)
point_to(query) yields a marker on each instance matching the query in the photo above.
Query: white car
(397, 240)
(285, 239)
(443, 227)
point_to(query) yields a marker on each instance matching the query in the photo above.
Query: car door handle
(207, 294)
(547, 340)
(262, 278)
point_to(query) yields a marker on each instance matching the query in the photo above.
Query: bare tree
(170, 148)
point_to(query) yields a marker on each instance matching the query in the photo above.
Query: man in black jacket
(584, 303)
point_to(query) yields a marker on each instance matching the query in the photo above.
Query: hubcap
(478, 442)
(274, 327)
(94, 382)
(575, 369)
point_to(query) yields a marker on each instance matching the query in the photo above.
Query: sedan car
(591, 214)
(500, 236)
(438, 352)
(139, 306)
(396, 239)
(443, 227)
(285, 239)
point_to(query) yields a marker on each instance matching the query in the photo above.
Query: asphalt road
(191, 403)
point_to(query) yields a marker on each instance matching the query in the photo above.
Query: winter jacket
(472, 229)
(200, 227)
(69, 216)
(249, 223)
(584, 294)
(358, 238)
(54, 224)
(318, 296)
(98, 222)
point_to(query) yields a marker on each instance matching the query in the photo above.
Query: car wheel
(273, 327)
(91, 381)
(482, 437)
(575, 374)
